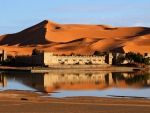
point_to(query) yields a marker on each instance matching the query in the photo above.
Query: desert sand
(77, 38)
(30, 102)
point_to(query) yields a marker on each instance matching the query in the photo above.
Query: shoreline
(41, 95)
(72, 68)
(28, 102)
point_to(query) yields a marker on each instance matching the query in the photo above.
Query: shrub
(6, 62)
(97, 53)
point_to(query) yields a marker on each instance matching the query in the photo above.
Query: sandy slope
(77, 38)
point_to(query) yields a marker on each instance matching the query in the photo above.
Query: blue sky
(16, 15)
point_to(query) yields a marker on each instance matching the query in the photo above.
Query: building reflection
(50, 82)
(3, 81)
(147, 82)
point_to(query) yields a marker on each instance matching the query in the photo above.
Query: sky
(16, 15)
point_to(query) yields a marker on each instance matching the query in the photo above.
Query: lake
(98, 84)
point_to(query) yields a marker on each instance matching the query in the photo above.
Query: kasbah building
(49, 59)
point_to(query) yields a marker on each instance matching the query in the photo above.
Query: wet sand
(30, 102)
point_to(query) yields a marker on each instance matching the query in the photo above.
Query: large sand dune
(77, 38)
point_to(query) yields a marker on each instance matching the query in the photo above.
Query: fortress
(48, 58)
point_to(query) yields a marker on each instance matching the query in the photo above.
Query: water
(98, 84)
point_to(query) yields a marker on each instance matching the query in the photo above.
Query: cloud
(86, 8)
(130, 20)
(139, 24)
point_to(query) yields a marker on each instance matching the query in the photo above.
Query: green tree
(138, 58)
(106, 52)
(120, 58)
(130, 56)
(63, 54)
(78, 55)
(97, 53)
(146, 61)
(72, 54)
(6, 62)
(35, 51)
(90, 63)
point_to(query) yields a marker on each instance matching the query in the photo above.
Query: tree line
(136, 57)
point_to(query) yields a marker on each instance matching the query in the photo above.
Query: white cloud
(139, 24)
(130, 20)
(86, 8)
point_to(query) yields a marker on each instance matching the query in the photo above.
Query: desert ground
(77, 38)
(30, 102)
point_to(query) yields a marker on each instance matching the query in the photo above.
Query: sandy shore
(30, 102)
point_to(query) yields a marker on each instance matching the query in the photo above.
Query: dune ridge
(77, 38)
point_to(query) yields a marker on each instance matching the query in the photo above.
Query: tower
(109, 58)
(4, 55)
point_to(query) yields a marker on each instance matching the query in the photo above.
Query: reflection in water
(3, 81)
(51, 82)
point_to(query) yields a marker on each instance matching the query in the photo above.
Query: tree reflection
(137, 79)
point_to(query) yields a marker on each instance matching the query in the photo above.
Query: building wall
(34, 59)
(50, 59)
(73, 59)
(3, 55)
(50, 78)
(3, 81)
(147, 55)
(109, 58)
(47, 58)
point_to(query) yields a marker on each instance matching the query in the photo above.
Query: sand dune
(77, 38)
